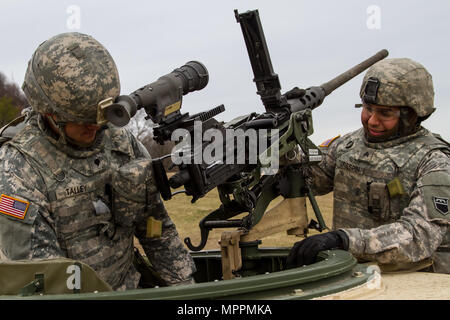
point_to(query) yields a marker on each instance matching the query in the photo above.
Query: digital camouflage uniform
(391, 198)
(403, 227)
(83, 203)
(67, 216)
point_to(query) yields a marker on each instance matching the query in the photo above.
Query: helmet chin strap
(409, 122)
(58, 128)
(80, 144)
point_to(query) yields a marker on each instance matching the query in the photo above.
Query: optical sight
(161, 99)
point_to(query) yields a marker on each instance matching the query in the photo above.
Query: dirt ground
(187, 215)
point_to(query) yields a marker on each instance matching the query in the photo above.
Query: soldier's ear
(409, 117)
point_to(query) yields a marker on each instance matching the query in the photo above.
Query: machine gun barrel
(241, 185)
(338, 81)
(267, 81)
(314, 96)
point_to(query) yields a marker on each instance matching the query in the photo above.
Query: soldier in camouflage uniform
(391, 178)
(74, 186)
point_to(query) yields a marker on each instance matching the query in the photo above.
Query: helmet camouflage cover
(68, 75)
(399, 82)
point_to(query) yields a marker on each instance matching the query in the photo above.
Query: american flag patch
(328, 142)
(13, 207)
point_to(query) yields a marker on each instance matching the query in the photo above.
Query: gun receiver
(242, 186)
(292, 117)
(314, 96)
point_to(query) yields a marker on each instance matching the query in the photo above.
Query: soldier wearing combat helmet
(391, 178)
(64, 176)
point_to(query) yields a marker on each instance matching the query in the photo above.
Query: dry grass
(186, 216)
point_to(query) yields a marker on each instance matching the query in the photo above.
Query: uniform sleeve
(422, 226)
(167, 254)
(138, 148)
(321, 176)
(26, 230)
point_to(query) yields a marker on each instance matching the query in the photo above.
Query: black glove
(304, 252)
(295, 93)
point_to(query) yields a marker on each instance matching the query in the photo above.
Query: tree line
(12, 100)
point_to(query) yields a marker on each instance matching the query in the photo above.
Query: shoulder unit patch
(441, 204)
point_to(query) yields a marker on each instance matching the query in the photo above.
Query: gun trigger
(313, 224)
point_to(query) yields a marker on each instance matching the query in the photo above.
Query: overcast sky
(310, 42)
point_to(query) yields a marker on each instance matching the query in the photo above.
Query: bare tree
(139, 126)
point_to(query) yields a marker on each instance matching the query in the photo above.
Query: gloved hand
(295, 93)
(304, 252)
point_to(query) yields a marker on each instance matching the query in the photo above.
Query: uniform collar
(392, 143)
(398, 152)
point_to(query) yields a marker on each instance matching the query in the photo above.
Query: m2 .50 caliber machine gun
(243, 186)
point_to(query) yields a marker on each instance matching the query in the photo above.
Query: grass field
(187, 216)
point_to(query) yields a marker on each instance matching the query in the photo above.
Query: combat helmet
(399, 82)
(68, 75)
